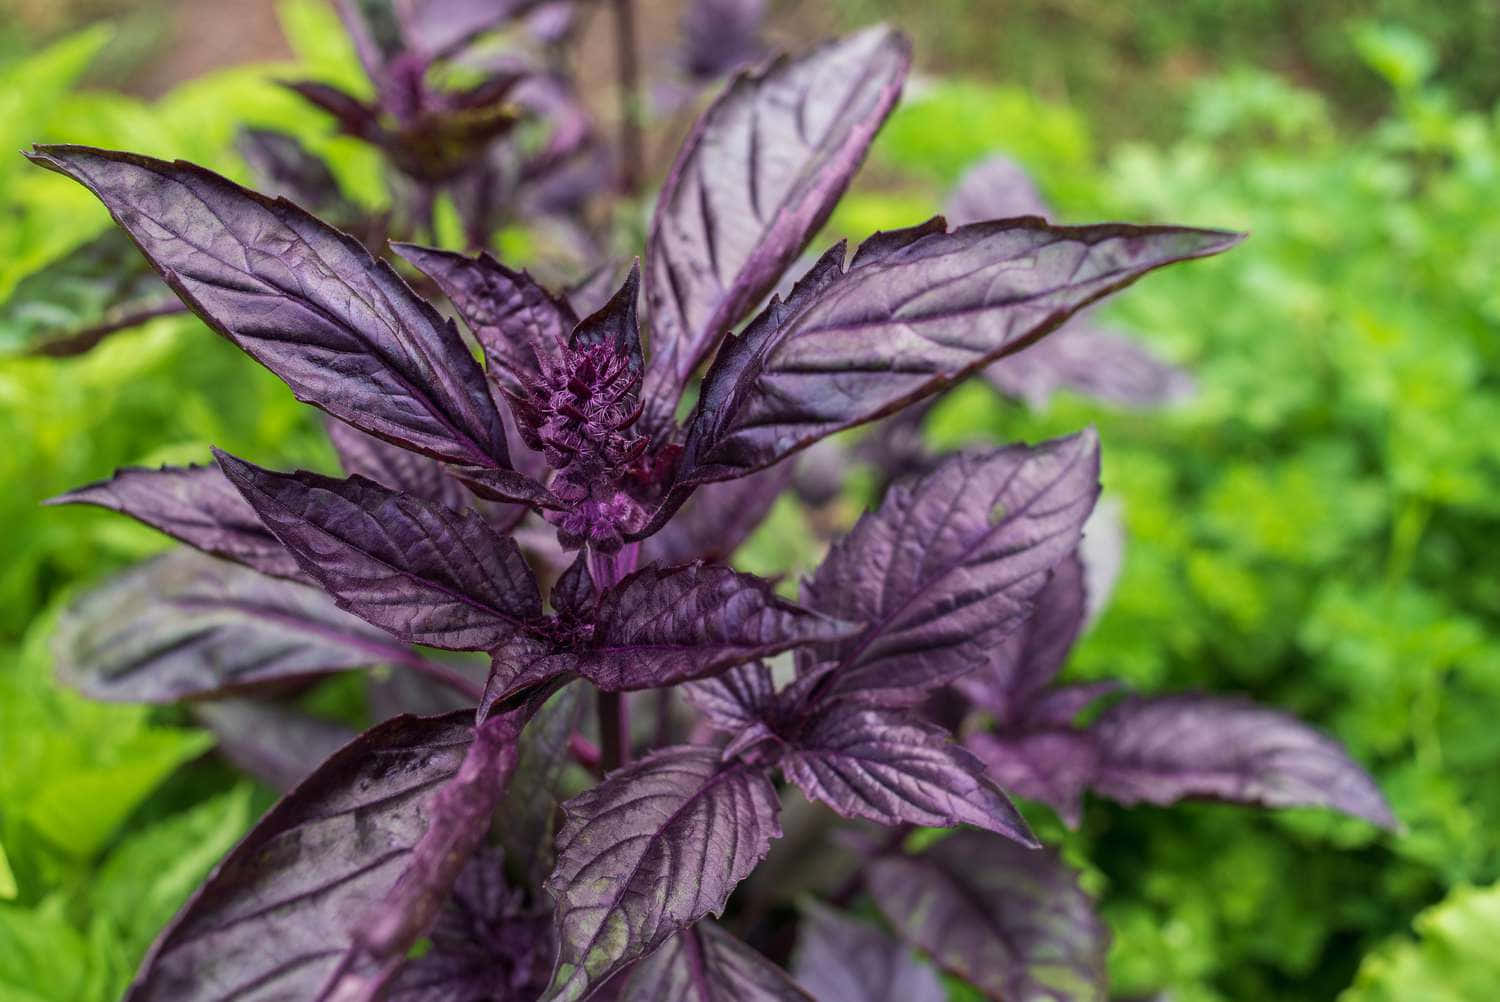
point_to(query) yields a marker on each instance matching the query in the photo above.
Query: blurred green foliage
(110, 815)
(1454, 961)
(1317, 527)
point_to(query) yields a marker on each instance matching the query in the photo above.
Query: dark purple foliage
(544, 508)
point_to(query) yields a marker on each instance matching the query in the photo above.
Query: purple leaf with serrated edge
(277, 913)
(184, 626)
(514, 319)
(1053, 765)
(395, 468)
(309, 303)
(1080, 356)
(1029, 658)
(460, 814)
(658, 845)
(423, 571)
(574, 591)
(915, 311)
(1010, 921)
(706, 963)
(756, 178)
(1166, 748)
(873, 764)
(196, 505)
(665, 625)
(718, 518)
(276, 744)
(720, 36)
(839, 959)
(487, 945)
(952, 563)
(738, 699)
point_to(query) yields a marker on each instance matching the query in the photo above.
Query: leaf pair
(1157, 749)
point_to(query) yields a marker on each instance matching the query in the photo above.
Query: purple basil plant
(560, 514)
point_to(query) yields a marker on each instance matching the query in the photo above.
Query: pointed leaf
(276, 744)
(573, 593)
(841, 960)
(755, 179)
(487, 944)
(718, 518)
(1054, 766)
(515, 320)
(1163, 749)
(194, 504)
(75, 301)
(309, 303)
(736, 700)
(950, 564)
(706, 963)
(1029, 658)
(660, 626)
(425, 572)
(658, 845)
(1010, 921)
(276, 914)
(184, 626)
(872, 764)
(915, 312)
(395, 468)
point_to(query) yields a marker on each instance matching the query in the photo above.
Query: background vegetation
(1316, 527)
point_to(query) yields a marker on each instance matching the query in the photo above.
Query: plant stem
(631, 158)
(614, 731)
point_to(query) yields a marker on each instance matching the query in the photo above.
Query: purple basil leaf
(950, 564)
(1080, 356)
(184, 626)
(1096, 362)
(276, 744)
(515, 320)
(574, 591)
(873, 764)
(706, 963)
(395, 468)
(1059, 706)
(277, 913)
(1164, 749)
(657, 846)
(590, 293)
(1029, 658)
(74, 302)
(309, 303)
(442, 26)
(1010, 921)
(735, 700)
(459, 816)
(841, 960)
(196, 505)
(995, 188)
(286, 168)
(1054, 766)
(660, 626)
(487, 945)
(355, 117)
(425, 572)
(718, 517)
(914, 312)
(755, 179)
(720, 36)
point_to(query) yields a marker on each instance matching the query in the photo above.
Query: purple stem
(631, 157)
